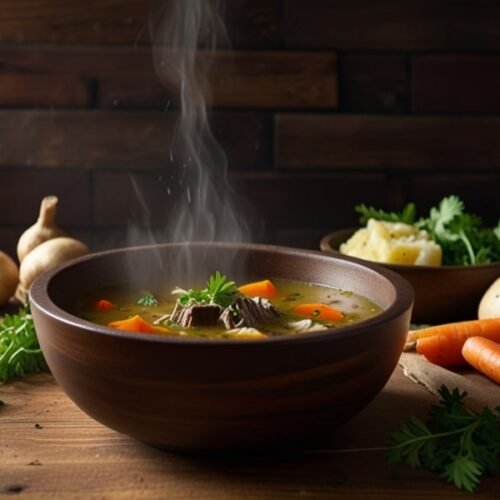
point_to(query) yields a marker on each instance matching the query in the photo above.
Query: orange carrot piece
(103, 305)
(263, 288)
(484, 355)
(318, 311)
(443, 344)
(133, 324)
(477, 327)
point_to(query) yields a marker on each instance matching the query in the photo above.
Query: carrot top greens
(461, 235)
(455, 442)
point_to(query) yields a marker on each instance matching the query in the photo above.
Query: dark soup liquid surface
(224, 310)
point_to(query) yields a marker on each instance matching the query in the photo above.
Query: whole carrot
(484, 355)
(442, 344)
(475, 327)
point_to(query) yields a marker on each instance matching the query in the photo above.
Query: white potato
(393, 243)
(489, 307)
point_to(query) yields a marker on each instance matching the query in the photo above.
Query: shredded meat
(255, 311)
(196, 315)
(245, 312)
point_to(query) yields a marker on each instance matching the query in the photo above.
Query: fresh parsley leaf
(219, 290)
(407, 215)
(148, 300)
(455, 442)
(20, 352)
(461, 235)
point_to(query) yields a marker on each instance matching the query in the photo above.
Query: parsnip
(9, 277)
(44, 228)
(489, 307)
(47, 255)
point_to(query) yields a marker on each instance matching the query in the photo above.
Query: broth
(290, 297)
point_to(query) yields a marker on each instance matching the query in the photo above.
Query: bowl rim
(326, 247)
(38, 295)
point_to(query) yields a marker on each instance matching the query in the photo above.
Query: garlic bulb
(9, 277)
(47, 255)
(44, 228)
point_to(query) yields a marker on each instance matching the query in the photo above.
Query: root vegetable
(489, 307)
(44, 229)
(47, 255)
(9, 277)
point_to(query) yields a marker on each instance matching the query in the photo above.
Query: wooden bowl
(442, 294)
(202, 395)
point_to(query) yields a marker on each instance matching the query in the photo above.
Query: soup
(223, 310)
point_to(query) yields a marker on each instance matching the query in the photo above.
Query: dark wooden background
(320, 104)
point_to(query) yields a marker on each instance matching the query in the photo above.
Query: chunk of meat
(196, 315)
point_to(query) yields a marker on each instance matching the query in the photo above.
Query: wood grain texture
(374, 142)
(392, 24)
(376, 83)
(251, 23)
(126, 139)
(236, 79)
(22, 190)
(456, 83)
(279, 201)
(50, 449)
(24, 91)
(127, 77)
(478, 191)
(58, 21)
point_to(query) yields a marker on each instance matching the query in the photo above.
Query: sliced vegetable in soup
(224, 310)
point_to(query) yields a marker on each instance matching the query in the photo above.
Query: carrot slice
(484, 355)
(103, 305)
(318, 311)
(263, 288)
(442, 344)
(133, 324)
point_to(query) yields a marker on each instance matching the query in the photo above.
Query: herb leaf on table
(20, 351)
(459, 444)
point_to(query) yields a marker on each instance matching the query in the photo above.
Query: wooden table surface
(51, 449)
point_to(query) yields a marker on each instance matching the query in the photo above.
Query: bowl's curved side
(442, 294)
(206, 396)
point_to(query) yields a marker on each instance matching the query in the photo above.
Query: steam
(204, 207)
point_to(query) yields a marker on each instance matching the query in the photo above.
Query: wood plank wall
(319, 105)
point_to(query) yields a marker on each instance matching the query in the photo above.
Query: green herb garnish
(148, 300)
(461, 235)
(459, 444)
(407, 215)
(20, 352)
(219, 290)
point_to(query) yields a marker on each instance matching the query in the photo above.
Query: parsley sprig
(459, 444)
(461, 235)
(219, 290)
(407, 215)
(20, 352)
(148, 300)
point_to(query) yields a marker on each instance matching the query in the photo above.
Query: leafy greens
(461, 235)
(219, 290)
(20, 352)
(455, 442)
